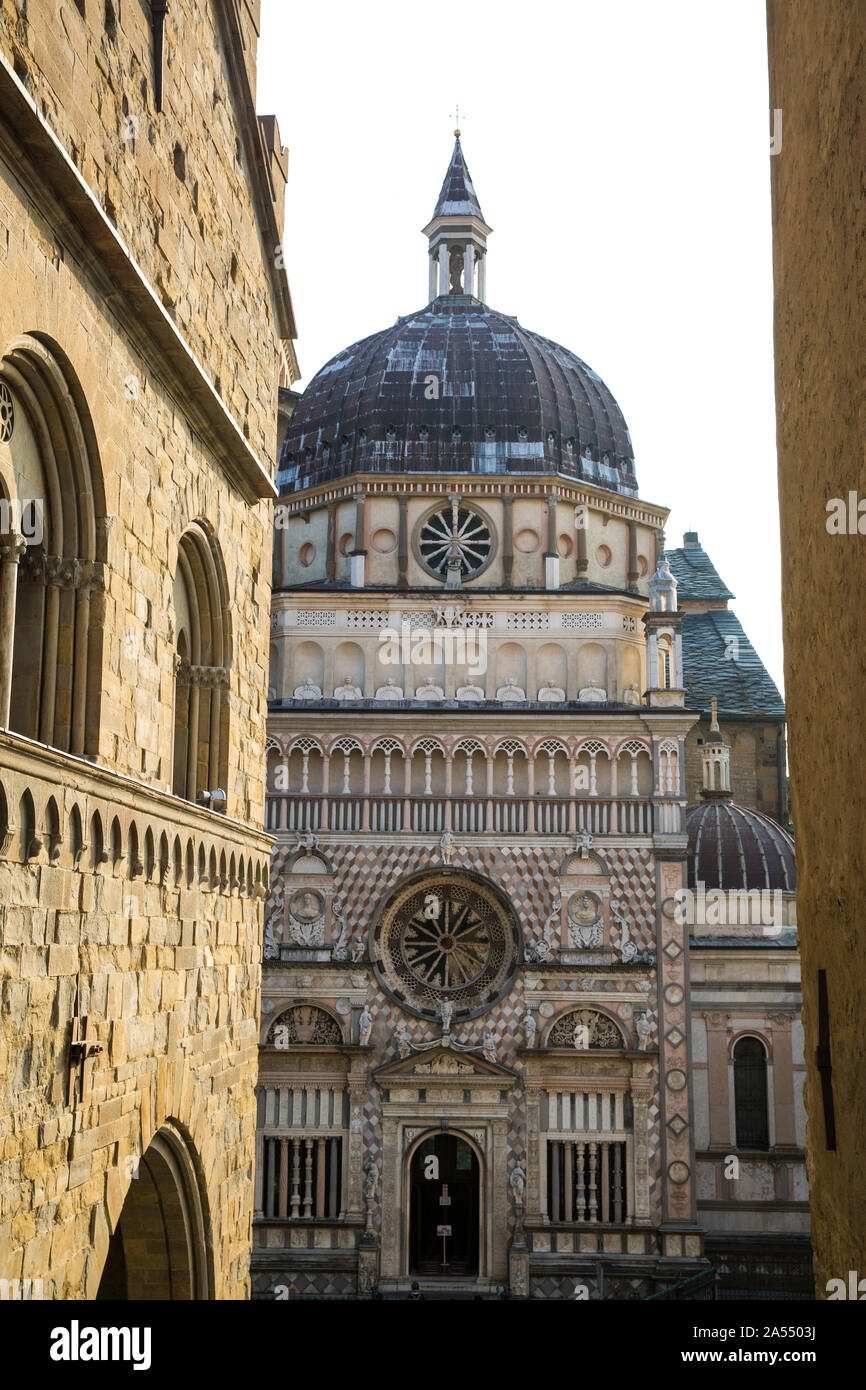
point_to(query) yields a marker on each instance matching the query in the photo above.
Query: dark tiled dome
(457, 388)
(732, 847)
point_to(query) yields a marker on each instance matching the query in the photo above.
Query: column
(431, 279)
(593, 1185)
(365, 823)
(536, 1167)
(260, 1158)
(358, 558)
(507, 529)
(449, 770)
(482, 277)
(443, 267)
(489, 793)
(403, 538)
(605, 1181)
(640, 1103)
(49, 651)
(296, 1179)
(556, 1152)
(192, 736)
(334, 1149)
(407, 791)
(79, 677)
(308, 1172)
(530, 791)
(633, 572)
(581, 1159)
(568, 1214)
(326, 777)
(214, 746)
(331, 556)
(783, 1081)
(320, 1178)
(469, 269)
(283, 1209)
(551, 558)
(717, 1080)
(12, 549)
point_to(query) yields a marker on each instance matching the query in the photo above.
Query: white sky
(620, 151)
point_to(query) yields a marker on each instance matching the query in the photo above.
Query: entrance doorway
(444, 1207)
(158, 1249)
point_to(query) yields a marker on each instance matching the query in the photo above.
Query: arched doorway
(159, 1247)
(444, 1207)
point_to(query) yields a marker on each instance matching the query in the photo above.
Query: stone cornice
(67, 200)
(567, 490)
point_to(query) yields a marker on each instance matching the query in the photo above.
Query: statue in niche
(643, 1027)
(517, 1182)
(365, 1026)
(592, 694)
(403, 1039)
(551, 693)
(348, 690)
(530, 1028)
(371, 1185)
(446, 1011)
(631, 695)
(390, 690)
(308, 691)
(510, 693)
(429, 690)
(488, 1046)
(358, 948)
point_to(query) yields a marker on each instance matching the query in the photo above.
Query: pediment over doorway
(446, 1065)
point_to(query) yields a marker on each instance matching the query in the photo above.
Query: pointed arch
(203, 654)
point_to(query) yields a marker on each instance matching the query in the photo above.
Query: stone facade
(817, 59)
(140, 361)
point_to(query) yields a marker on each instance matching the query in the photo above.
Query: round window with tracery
(7, 413)
(449, 937)
(454, 535)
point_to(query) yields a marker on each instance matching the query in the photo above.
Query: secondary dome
(458, 388)
(732, 847)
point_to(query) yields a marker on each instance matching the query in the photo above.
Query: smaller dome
(731, 847)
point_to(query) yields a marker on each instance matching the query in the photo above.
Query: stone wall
(817, 68)
(139, 341)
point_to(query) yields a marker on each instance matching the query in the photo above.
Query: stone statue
(403, 1038)
(583, 843)
(358, 948)
(627, 948)
(550, 693)
(643, 1027)
(274, 923)
(517, 1181)
(446, 1009)
(308, 691)
(429, 690)
(510, 692)
(530, 1028)
(371, 1184)
(468, 693)
(365, 1025)
(446, 846)
(488, 1046)
(307, 841)
(592, 694)
(348, 690)
(341, 948)
(390, 690)
(631, 696)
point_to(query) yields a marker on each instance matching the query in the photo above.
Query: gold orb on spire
(457, 133)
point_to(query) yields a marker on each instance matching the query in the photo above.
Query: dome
(458, 388)
(732, 847)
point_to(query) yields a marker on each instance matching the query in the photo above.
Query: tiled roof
(458, 197)
(694, 571)
(719, 659)
(734, 847)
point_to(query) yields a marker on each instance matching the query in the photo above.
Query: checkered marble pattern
(321, 1284)
(633, 891)
(556, 1288)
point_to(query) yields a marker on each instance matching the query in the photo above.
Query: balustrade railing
(511, 815)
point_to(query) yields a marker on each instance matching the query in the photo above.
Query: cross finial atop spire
(456, 119)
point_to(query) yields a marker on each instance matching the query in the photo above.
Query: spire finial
(456, 119)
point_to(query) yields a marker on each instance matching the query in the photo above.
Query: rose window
(452, 536)
(447, 938)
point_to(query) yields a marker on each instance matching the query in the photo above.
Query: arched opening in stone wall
(203, 657)
(159, 1249)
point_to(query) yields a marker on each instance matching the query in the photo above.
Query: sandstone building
(498, 1045)
(140, 350)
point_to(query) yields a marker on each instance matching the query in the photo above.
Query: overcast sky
(620, 151)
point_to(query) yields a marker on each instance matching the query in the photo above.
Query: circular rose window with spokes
(450, 937)
(454, 534)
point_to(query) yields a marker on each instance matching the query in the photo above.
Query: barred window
(750, 1094)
